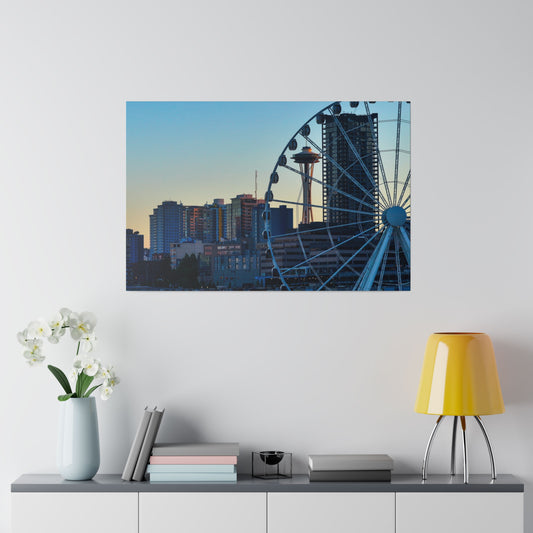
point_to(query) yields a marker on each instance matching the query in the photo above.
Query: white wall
(300, 372)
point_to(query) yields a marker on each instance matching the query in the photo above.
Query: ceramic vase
(78, 447)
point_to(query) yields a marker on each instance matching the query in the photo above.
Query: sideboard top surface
(245, 483)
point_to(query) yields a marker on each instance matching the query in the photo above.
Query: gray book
(135, 449)
(350, 475)
(350, 462)
(146, 448)
(204, 448)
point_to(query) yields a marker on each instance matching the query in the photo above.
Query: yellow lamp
(459, 379)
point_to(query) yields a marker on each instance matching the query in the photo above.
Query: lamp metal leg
(465, 450)
(428, 448)
(489, 447)
(454, 436)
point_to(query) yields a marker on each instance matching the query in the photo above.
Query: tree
(187, 272)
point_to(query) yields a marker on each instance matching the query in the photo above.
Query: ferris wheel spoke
(404, 188)
(358, 157)
(397, 157)
(383, 268)
(344, 171)
(407, 202)
(326, 251)
(376, 144)
(357, 252)
(366, 280)
(322, 207)
(304, 175)
(397, 260)
(321, 228)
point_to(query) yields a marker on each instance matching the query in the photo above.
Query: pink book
(193, 459)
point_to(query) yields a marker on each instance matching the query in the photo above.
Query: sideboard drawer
(68, 512)
(334, 512)
(474, 512)
(202, 512)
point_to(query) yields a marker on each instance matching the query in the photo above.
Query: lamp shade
(459, 376)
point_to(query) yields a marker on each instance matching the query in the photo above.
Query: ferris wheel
(338, 204)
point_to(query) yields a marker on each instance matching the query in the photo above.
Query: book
(193, 460)
(219, 469)
(148, 442)
(135, 449)
(206, 477)
(350, 475)
(350, 462)
(204, 448)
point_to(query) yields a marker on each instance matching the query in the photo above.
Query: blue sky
(197, 151)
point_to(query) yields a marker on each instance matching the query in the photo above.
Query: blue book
(206, 477)
(194, 469)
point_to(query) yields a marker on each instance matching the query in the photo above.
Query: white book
(350, 462)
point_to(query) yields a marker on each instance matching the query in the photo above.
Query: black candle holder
(271, 464)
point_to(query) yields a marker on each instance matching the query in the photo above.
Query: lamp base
(465, 447)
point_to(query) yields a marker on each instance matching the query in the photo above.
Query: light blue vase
(78, 447)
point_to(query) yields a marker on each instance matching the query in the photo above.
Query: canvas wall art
(255, 196)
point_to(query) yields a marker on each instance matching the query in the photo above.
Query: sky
(193, 152)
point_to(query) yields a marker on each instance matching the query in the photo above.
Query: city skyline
(194, 152)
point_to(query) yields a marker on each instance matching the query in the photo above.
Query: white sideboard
(66, 512)
(46, 503)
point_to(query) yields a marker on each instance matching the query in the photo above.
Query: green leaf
(60, 376)
(91, 390)
(65, 397)
(83, 384)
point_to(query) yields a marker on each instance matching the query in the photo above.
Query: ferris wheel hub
(394, 216)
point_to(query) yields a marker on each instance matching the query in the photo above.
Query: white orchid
(27, 342)
(112, 379)
(33, 358)
(38, 328)
(106, 393)
(90, 366)
(87, 342)
(81, 324)
(73, 375)
(87, 373)
(57, 325)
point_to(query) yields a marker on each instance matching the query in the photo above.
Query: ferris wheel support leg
(371, 269)
(405, 243)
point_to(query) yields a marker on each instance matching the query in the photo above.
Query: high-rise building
(350, 202)
(214, 227)
(134, 247)
(240, 216)
(134, 253)
(167, 225)
(195, 222)
(281, 222)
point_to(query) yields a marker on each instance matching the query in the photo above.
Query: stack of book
(141, 448)
(207, 462)
(350, 467)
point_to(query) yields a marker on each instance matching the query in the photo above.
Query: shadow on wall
(515, 368)
(175, 427)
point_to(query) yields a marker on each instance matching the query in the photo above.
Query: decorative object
(459, 379)
(330, 212)
(271, 464)
(78, 448)
(78, 451)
